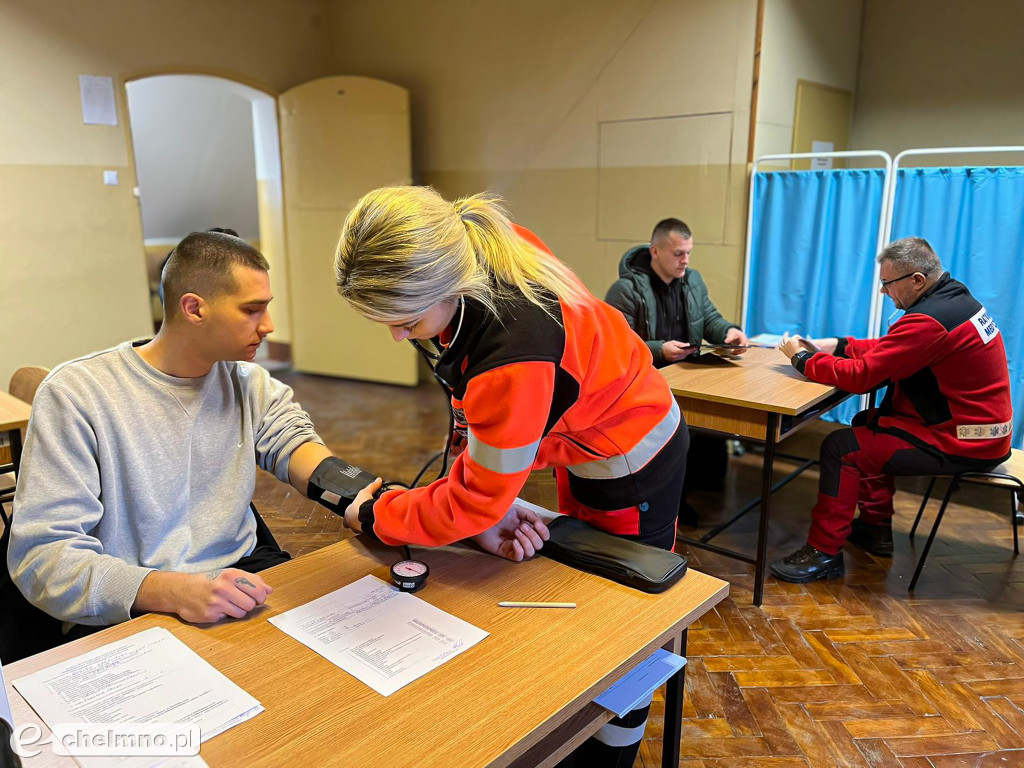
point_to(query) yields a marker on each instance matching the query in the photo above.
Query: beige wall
(72, 266)
(941, 73)
(595, 118)
(802, 40)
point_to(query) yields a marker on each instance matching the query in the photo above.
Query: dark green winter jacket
(633, 295)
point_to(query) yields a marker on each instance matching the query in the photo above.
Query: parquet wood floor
(853, 672)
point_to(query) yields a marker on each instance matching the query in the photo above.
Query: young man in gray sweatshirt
(140, 461)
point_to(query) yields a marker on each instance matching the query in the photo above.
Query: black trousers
(617, 744)
(706, 462)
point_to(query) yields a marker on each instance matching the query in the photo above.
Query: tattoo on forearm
(245, 581)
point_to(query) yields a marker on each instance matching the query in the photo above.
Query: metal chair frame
(1010, 483)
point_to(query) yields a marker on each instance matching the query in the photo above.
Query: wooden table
(521, 697)
(13, 418)
(758, 396)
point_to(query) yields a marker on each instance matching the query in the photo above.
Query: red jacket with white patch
(945, 360)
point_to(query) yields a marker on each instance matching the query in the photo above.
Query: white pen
(508, 604)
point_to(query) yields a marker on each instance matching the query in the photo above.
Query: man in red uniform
(947, 408)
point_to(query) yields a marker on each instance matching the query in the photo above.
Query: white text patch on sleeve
(986, 325)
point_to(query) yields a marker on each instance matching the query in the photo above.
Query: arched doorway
(207, 154)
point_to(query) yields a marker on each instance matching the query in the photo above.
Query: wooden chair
(1009, 475)
(24, 383)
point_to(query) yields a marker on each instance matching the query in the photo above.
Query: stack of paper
(150, 677)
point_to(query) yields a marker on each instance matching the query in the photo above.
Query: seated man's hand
(790, 345)
(809, 345)
(352, 510)
(230, 592)
(674, 351)
(517, 536)
(738, 337)
(202, 598)
(828, 346)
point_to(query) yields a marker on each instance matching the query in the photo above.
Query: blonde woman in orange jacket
(540, 374)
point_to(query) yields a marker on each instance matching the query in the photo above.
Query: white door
(340, 138)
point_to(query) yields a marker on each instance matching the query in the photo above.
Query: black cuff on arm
(334, 484)
(366, 516)
(800, 359)
(841, 347)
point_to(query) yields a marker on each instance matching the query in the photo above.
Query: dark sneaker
(876, 539)
(808, 564)
(687, 514)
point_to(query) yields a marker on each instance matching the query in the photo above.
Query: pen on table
(510, 604)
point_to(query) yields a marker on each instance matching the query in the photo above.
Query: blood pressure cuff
(579, 545)
(335, 483)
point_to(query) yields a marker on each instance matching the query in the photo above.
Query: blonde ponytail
(404, 249)
(510, 261)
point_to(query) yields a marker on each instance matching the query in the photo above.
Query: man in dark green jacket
(664, 301)
(667, 304)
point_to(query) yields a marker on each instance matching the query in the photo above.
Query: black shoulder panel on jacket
(521, 332)
(949, 302)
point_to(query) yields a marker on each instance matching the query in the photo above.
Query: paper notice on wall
(98, 105)
(822, 163)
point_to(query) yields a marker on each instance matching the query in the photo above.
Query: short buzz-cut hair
(666, 227)
(201, 264)
(912, 254)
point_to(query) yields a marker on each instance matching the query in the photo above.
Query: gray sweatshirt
(128, 470)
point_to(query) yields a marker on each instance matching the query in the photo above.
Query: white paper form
(150, 677)
(381, 636)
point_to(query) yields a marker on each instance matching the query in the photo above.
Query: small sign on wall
(822, 163)
(98, 106)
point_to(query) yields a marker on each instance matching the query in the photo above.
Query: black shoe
(687, 514)
(876, 539)
(808, 564)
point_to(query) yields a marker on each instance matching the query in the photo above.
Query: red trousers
(858, 467)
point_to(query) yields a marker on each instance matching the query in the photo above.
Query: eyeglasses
(886, 283)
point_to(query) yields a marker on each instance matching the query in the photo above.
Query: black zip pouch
(579, 545)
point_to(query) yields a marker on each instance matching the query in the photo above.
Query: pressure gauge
(409, 575)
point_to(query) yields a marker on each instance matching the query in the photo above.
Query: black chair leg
(1013, 520)
(924, 503)
(953, 485)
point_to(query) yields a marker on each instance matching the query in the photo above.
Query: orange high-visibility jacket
(530, 391)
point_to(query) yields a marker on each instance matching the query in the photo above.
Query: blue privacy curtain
(974, 219)
(812, 250)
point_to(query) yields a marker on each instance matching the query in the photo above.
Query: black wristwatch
(799, 360)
